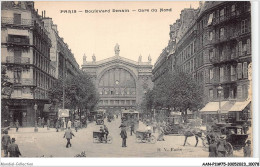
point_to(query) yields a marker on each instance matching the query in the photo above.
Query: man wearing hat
(68, 134)
(221, 147)
(13, 149)
(6, 140)
(212, 148)
(123, 135)
(101, 129)
(247, 149)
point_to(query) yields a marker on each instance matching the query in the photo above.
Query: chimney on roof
(44, 14)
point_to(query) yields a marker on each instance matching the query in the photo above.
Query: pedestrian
(123, 135)
(221, 147)
(69, 124)
(245, 128)
(43, 122)
(148, 131)
(247, 149)
(76, 125)
(62, 124)
(161, 133)
(39, 122)
(57, 125)
(106, 133)
(68, 134)
(154, 126)
(48, 124)
(132, 128)
(13, 149)
(17, 125)
(6, 140)
(212, 148)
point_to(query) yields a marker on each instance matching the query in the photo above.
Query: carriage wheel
(109, 139)
(138, 139)
(229, 150)
(152, 139)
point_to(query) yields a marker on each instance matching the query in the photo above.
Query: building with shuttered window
(215, 48)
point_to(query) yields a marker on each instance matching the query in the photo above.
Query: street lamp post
(219, 89)
(35, 127)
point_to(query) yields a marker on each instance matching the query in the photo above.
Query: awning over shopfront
(213, 107)
(239, 106)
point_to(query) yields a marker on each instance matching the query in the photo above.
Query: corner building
(25, 51)
(121, 82)
(215, 48)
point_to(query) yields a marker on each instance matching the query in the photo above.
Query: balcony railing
(11, 21)
(224, 58)
(23, 81)
(17, 60)
(224, 18)
(20, 41)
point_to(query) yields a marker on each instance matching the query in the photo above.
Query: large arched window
(117, 81)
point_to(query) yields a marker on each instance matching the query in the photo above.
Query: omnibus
(130, 116)
(100, 115)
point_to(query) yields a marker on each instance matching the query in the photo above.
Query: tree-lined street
(51, 143)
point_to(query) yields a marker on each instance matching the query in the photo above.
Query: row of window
(187, 52)
(41, 62)
(227, 11)
(42, 80)
(41, 46)
(224, 33)
(117, 91)
(117, 102)
(192, 64)
(227, 52)
(230, 92)
(227, 73)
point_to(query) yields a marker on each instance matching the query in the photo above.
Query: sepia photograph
(125, 79)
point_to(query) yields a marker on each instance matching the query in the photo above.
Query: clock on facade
(117, 82)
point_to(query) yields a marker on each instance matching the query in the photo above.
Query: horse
(195, 132)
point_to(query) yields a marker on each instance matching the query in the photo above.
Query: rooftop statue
(149, 58)
(94, 58)
(84, 58)
(117, 50)
(140, 58)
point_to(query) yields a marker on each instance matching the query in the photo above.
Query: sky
(137, 32)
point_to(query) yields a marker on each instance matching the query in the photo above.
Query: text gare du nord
(116, 10)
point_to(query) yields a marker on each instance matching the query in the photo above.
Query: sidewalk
(31, 130)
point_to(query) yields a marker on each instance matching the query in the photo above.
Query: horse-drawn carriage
(233, 135)
(100, 117)
(173, 124)
(145, 137)
(99, 137)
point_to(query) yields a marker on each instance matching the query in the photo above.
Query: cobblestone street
(51, 143)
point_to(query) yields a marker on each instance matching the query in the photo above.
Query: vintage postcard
(126, 79)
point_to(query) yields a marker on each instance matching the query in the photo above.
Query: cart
(143, 136)
(98, 137)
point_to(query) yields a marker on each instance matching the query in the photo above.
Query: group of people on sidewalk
(10, 148)
(62, 124)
